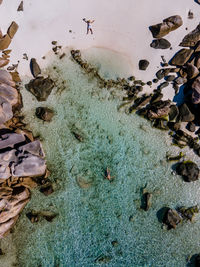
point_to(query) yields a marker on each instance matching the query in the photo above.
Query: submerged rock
(188, 170)
(169, 24)
(172, 218)
(191, 38)
(45, 114)
(160, 44)
(40, 87)
(181, 57)
(146, 201)
(35, 216)
(143, 64)
(188, 213)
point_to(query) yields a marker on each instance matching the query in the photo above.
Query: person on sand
(89, 27)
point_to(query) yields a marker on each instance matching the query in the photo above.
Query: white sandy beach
(119, 25)
(123, 27)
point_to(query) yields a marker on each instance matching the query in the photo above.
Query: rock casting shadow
(161, 213)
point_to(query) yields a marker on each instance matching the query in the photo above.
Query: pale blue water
(90, 219)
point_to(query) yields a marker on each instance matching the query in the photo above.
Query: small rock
(47, 189)
(190, 15)
(146, 201)
(160, 44)
(188, 170)
(12, 29)
(163, 85)
(180, 80)
(170, 78)
(155, 80)
(143, 64)
(45, 114)
(149, 83)
(188, 213)
(103, 259)
(35, 69)
(172, 218)
(21, 6)
(115, 243)
(191, 126)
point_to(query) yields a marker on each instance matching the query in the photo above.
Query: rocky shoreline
(22, 159)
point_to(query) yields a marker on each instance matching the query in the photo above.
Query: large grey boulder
(9, 93)
(5, 110)
(34, 148)
(5, 77)
(10, 139)
(28, 165)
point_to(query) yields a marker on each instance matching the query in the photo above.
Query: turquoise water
(91, 218)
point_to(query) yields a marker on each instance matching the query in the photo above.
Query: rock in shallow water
(168, 25)
(45, 114)
(40, 87)
(188, 170)
(172, 218)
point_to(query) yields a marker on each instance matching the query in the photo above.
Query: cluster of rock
(173, 217)
(162, 29)
(163, 114)
(22, 163)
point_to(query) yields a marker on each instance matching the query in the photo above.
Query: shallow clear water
(91, 218)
